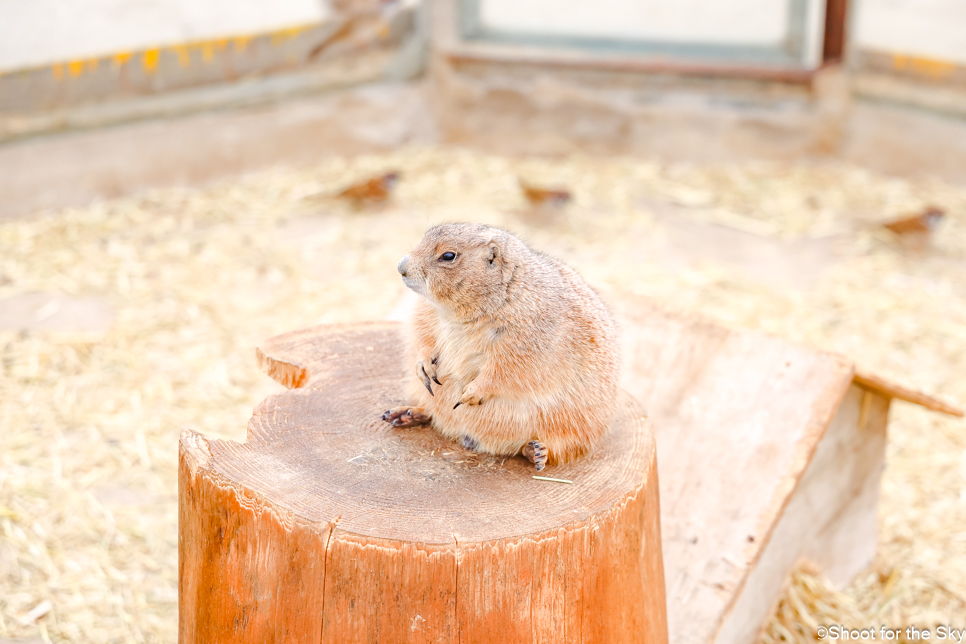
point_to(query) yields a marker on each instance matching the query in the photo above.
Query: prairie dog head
(462, 268)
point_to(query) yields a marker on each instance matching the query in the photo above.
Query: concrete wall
(41, 32)
(925, 28)
(89, 63)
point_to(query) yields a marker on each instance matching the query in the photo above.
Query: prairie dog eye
(448, 256)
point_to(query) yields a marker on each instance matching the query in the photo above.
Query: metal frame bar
(836, 18)
(789, 75)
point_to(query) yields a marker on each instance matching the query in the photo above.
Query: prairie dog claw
(425, 378)
(426, 369)
(471, 396)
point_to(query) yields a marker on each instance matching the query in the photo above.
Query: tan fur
(521, 342)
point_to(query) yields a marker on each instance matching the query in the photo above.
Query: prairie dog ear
(497, 259)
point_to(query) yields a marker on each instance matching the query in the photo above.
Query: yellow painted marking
(207, 52)
(184, 55)
(149, 60)
(928, 67)
(282, 35)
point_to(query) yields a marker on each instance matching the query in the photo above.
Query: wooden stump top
(322, 451)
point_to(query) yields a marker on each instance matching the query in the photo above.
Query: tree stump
(328, 525)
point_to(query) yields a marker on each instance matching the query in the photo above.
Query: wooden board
(830, 519)
(738, 418)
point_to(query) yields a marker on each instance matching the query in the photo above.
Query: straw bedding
(195, 278)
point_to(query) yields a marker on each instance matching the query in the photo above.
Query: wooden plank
(830, 520)
(889, 389)
(738, 417)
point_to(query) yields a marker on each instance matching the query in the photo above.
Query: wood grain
(830, 520)
(738, 417)
(769, 452)
(328, 525)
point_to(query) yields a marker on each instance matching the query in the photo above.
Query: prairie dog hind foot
(406, 416)
(534, 451)
(537, 453)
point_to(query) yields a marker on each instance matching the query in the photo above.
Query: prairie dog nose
(403, 265)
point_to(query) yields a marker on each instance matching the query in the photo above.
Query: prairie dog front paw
(472, 395)
(426, 370)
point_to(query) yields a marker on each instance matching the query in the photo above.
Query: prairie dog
(510, 350)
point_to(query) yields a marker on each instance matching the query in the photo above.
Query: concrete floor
(79, 167)
(76, 168)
